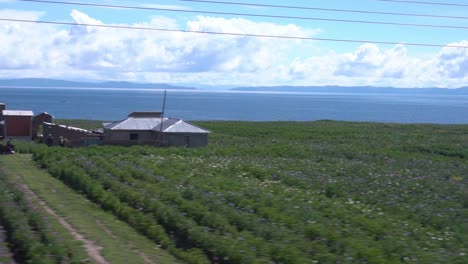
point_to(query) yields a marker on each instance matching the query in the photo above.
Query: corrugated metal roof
(68, 127)
(44, 114)
(184, 127)
(134, 123)
(167, 122)
(169, 125)
(17, 113)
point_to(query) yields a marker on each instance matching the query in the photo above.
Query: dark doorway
(134, 136)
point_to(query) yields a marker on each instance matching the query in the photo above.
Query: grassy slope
(86, 217)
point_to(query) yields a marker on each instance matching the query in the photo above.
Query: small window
(133, 136)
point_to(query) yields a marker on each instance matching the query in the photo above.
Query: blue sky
(70, 52)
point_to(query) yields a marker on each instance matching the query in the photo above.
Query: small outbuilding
(17, 124)
(38, 120)
(151, 128)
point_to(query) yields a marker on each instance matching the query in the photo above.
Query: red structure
(17, 124)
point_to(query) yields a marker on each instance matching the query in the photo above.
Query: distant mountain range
(53, 83)
(355, 89)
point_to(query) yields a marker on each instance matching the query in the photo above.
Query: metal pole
(162, 118)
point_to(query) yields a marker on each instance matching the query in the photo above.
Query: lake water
(116, 104)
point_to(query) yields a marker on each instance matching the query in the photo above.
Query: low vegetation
(101, 233)
(28, 230)
(284, 192)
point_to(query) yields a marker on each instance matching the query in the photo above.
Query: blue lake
(116, 104)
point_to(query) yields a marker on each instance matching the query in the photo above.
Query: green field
(118, 243)
(286, 192)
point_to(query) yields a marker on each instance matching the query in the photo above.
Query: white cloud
(82, 18)
(23, 46)
(33, 50)
(453, 62)
(370, 61)
(176, 52)
(372, 65)
(17, 14)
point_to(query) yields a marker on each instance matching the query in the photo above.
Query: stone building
(150, 128)
(71, 136)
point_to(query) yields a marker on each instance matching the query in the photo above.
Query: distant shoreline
(358, 90)
(298, 91)
(98, 88)
(43, 83)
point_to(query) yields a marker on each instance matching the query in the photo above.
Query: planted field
(319, 192)
(94, 236)
(27, 233)
(5, 254)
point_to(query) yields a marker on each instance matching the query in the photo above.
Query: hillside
(52, 83)
(357, 89)
(286, 192)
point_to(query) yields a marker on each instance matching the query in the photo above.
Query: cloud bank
(36, 50)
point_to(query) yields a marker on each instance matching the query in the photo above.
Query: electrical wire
(326, 9)
(231, 34)
(421, 2)
(251, 15)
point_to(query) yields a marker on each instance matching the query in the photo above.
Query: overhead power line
(421, 2)
(230, 34)
(251, 15)
(326, 9)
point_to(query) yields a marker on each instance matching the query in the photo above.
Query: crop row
(130, 202)
(28, 232)
(234, 213)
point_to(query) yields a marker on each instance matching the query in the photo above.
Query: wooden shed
(17, 124)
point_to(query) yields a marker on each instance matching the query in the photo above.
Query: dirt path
(105, 239)
(93, 250)
(130, 245)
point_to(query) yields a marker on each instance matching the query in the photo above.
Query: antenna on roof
(162, 118)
